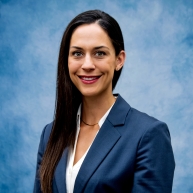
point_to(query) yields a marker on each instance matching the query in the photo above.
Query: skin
(92, 62)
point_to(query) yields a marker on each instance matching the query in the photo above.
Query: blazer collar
(121, 107)
(106, 138)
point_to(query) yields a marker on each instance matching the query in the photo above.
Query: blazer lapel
(60, 172)
(104, 141)
(102, 145)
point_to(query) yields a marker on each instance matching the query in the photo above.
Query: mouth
(89, 79)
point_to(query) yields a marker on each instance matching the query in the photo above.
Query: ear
(120, 60)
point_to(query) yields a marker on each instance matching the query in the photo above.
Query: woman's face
(92, 60)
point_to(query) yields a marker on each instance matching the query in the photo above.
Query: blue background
(157, 76)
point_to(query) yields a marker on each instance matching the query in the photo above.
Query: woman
(97, 142)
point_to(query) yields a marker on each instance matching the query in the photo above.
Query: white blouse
(72, 171)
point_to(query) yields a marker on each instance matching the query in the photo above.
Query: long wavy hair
(68, 97)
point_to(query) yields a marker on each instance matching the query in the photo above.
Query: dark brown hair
(68, 97)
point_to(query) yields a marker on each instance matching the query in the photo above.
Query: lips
(89, 79)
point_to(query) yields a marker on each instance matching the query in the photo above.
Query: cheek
(72, 75)
(71, 72)
(111, 67)
(71, 67)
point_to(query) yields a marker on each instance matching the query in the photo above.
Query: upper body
(130, 151)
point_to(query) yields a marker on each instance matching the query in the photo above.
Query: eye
(100, 53)
(77, 54)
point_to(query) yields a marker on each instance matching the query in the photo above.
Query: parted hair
(68, 97)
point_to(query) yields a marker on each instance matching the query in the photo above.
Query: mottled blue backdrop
(157, 77)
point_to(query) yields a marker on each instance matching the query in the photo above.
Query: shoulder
(122, 109)
(147, 123)
(47, 130)
(45, 135)
(143, 119)
(136, 120)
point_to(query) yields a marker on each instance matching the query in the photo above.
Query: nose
(88, 63)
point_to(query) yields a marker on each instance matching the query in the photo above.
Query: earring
(117, 68)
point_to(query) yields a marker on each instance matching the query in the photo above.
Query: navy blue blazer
(131, 153)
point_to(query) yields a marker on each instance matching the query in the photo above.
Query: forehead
(90, 34)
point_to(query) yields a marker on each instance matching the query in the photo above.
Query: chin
(89, 94)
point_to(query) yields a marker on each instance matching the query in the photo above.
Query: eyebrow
(95, 48)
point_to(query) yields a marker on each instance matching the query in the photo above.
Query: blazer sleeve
(155, 161)
(41, 149)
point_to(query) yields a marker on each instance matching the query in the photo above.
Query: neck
(93, 108)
